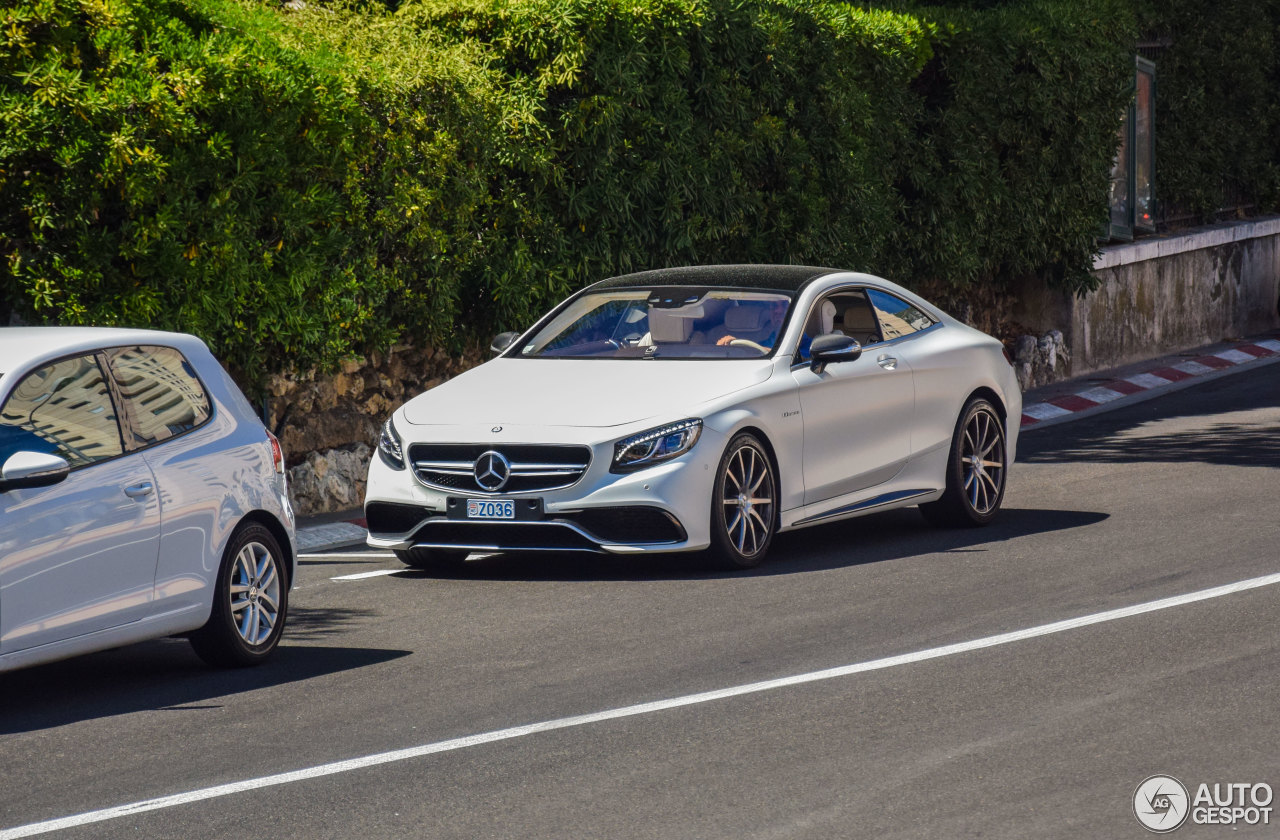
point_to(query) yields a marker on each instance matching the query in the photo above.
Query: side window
(847, 312)
(897, 317)
(63, 409)
(162, 396)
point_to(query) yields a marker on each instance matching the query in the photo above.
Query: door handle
(137, 491)
(887, 362)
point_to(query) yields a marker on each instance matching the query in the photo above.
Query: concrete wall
(1164, 294)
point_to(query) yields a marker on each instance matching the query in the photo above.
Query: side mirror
(32, 469)
(502, 341)
(830, 348)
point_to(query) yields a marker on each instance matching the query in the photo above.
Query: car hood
(578, 392)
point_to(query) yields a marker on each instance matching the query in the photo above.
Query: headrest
(744, 318)
(859, 318)
(826, 317)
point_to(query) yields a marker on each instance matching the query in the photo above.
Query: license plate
(487, 509)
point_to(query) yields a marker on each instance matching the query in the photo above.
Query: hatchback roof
(19, 344)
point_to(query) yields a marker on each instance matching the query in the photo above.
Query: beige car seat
(859, 323)
(748, 322)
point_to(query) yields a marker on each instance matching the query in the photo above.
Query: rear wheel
(250, 601)
(743, 505)
(437, 560)
(976, 470)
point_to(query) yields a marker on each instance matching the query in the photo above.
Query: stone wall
(1164, 294)
(329, 424)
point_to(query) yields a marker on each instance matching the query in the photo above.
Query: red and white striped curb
(1149, 380)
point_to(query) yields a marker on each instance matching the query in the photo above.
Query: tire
(250, 602)
(435, 560)
(743, 524)
(977, 470)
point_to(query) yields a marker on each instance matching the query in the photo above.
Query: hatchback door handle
(137, 491)
(887, 362)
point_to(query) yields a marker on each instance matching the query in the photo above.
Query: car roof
(18, 345)
(789, 278)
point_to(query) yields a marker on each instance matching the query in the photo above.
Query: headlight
(655, 445)
(389, 448)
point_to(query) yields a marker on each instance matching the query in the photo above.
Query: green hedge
(1217, 112)
(197, 166)
(936, 146)
(296, 187)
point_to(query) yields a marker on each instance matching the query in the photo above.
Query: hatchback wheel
(976, 470)
(250, 602)
(743, 505)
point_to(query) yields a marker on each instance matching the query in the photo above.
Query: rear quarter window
(161, 393)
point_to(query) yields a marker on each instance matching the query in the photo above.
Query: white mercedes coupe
(700, 409)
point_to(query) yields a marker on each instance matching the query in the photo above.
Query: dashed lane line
(363, 575)
(359, 555)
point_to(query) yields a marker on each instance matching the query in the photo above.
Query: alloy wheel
(747, 497)
(982, 456)
(255, 593)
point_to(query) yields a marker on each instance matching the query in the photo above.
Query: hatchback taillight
(277, 454)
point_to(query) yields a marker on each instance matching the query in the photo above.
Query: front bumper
(664, 508)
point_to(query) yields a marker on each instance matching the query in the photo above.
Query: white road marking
(363, 575)
(174, 800)
(1270, 344)
(356, 554)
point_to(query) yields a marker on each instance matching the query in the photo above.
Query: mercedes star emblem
(492, 470)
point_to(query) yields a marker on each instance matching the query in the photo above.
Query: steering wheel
(746, 342)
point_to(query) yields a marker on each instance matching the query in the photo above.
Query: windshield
(664, 323)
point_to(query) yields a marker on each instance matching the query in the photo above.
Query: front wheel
(976, 470)
(743, 505)
(250, 602)
(434, 560)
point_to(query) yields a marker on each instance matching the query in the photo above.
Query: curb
(331, 535)
(1154, 381)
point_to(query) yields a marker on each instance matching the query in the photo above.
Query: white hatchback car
(694, 408)
(140, 497)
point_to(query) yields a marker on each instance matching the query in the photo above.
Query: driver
(770, 324)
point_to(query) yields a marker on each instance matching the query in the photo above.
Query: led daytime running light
(389, 447)
(643, 450)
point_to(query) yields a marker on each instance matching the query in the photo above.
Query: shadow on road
(1233, 421)
(870, 539)
(1235, 444)
(164, 676)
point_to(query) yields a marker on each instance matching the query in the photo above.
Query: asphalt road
(1046, 736)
